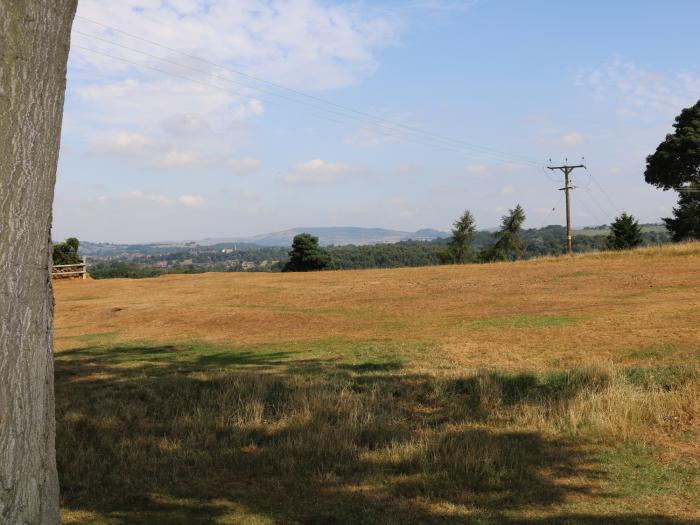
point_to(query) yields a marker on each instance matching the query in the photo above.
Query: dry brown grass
(542, 392)
(526, 315)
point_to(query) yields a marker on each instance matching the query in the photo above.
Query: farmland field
(547, 391)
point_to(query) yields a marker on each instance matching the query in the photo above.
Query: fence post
(84, 267)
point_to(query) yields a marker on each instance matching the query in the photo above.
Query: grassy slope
(548, 391)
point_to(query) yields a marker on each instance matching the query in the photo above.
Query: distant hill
(331, 236)
(337, 236)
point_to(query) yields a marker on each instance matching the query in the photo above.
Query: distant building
(247, 265)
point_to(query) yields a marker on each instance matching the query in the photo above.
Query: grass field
(546, 391)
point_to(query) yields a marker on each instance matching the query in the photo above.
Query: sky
(192, 119)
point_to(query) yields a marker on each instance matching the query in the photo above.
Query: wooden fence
(66, 271)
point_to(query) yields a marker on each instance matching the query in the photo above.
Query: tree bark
(34, 43)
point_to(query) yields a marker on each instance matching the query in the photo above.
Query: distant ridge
(337, 236)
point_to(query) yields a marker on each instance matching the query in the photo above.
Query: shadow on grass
(174, 434)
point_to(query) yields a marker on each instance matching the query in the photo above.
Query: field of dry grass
(546, 391)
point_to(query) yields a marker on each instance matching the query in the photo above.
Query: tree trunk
(34, 42)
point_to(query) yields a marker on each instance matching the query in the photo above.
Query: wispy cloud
(556, 137)
(634, 90)
(316, 171)
(191, 201)
(154, 199)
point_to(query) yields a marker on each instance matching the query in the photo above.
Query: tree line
(536, 242)
(467, 245)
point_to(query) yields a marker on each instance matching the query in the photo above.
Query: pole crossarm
(566, 169)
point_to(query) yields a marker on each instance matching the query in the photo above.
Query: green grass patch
(101, 337)
(655, 351)
(636, 473)
(664, 377)
(303, 356)
(572, 275)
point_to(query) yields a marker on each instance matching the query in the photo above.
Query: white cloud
(250, 109)
(507, 190)
(321, 166)
(165, 153)
(141, 196)
(185, 124)
(636, 91)
(316, 171)
(572, 139)
(121, 142)
(192, 201)
(305, 44)
(178, 159)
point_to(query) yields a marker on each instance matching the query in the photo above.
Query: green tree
(306, 255)
(66, 252)
(508, 244)
(676, 165)
(459, 247)
(625, 233)
(685, 223)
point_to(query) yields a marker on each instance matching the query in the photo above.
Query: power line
(597, 203)
(226, 79)
(561, 196)
(605, 193)
(485, 150)
(209, 84)
(590, 212)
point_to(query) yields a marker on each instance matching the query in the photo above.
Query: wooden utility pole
(566, 169)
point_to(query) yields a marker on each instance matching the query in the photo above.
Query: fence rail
(61, 271)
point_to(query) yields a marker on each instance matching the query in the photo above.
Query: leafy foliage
(459, 248)
(306, 255)
(509, 245)
(685, 223)
(676, 161)
(625, 233)
(676, 165)
(67, 252)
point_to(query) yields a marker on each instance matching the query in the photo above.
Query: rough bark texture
(34, 42)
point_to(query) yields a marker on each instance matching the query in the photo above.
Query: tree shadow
(144, 435)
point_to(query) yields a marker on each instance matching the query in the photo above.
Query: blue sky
(457, 105)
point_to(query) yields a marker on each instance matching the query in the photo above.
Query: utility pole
(566, 169)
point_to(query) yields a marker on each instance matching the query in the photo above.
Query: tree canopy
(676, 161)
(459, 247)
(306, 255)
(685, 223)
(509, 244)
(676, 165)
(66, 252)
(625, 233)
